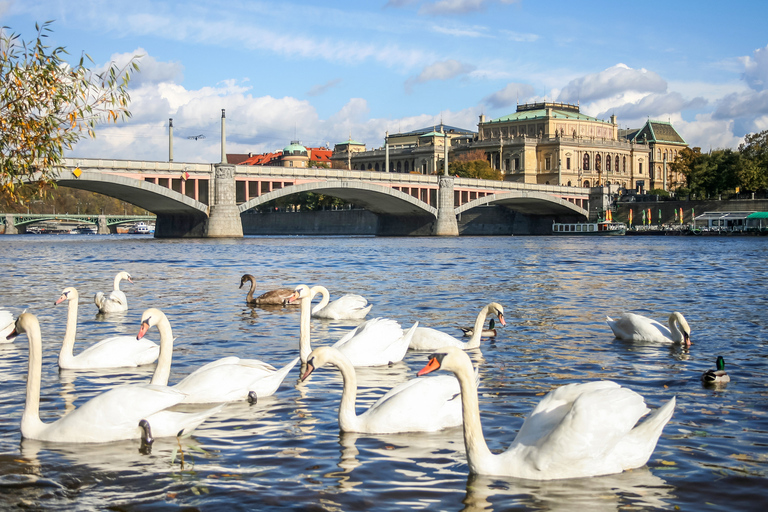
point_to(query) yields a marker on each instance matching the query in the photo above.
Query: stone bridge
(206, 200)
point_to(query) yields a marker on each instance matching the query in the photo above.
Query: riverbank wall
(667, 208)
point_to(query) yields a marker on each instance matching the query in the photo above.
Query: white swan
(426, 338)
(632, 327)
(7, 324)
(418, 405)
(116, 301)
(577, 430)
(224, 380)
(111, 416)
(114, 352)
(375, 342)
(346, 307)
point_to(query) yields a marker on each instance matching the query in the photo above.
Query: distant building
(543, 143)
(293, 155)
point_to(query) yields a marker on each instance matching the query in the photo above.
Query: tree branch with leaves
(47, 106)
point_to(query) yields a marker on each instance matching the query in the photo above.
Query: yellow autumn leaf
(669, 463)
(740, 456)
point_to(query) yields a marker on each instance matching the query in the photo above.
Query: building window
(625, 165)
(547, 164)
(608, 163)
(568, 163)
(640, 168)
(598, 161)
(586, 161)
(617, 163)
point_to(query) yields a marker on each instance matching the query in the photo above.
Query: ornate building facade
(544, 143)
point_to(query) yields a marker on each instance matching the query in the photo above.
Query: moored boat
(599, 228)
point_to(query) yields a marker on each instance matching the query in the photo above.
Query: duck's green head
(720, 363)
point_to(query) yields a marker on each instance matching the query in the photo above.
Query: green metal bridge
(18, 222)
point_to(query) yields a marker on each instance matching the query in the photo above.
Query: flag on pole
(630, 216)
(675, 214)
(659, 221)
(643, 210)
(681, 215)
(650, 217)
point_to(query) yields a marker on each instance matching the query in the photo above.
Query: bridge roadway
(206, 200)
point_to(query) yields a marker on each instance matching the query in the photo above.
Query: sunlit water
(286, 451)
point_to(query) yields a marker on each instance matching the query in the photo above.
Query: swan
(418, 405)
(577, 430)
(490, 332)
(632, 327)
(116, 301)
(114, 352)
(375, 342)
(7, 324)
(111, 416)
(717, 376)
(426, 338)
(347, 307)
(276, 297)
(224, 380)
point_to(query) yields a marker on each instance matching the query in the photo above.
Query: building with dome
(293, 155)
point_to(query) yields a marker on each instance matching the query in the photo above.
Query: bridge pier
(224, 215)
(446, 224)
(101, 226)
(10, 225)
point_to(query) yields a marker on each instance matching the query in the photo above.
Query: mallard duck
(490, 332)
(717, 376)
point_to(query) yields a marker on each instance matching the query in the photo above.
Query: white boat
(140, 228)
(600, 228)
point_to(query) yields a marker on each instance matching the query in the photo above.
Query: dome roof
(294, 149)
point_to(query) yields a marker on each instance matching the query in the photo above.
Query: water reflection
(636, 488)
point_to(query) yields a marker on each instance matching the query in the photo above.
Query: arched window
(617, 163)
(399, 166)
(377, 167)
(624, 164)
(598, 162)
(608, 163)
(406, 166)
(586, 183)
(586, 161)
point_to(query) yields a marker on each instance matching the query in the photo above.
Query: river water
(286, 452)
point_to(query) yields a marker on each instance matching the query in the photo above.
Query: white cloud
(320, 89)
(444, 70)
(756, 69)
(452, 7)
(512, 94)
(611, 82)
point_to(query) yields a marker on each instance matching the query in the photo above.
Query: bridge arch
(527, 202)
(151, 197)
(375, 198)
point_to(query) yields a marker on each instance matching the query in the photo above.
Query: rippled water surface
(286, 451)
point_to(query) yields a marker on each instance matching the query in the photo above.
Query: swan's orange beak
(60, 299)
(310, 369)
(143, 330)
(501, 319)
(294, 297)
(432, 365)
(687, 340)
(12, 334)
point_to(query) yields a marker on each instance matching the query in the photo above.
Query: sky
(322, 72)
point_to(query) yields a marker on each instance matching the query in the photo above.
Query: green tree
(47, 106)
(753, 168)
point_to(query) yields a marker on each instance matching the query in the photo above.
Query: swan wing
(223, 382)
(376, 342)
(427, 338)
(276, 297)
(116, 352)
(579, 426)
(111, 416)
(418, 405)
(172, 424)
(631, 326)
(7, 324)
(347, 307)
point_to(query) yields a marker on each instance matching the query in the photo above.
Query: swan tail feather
(641, 440)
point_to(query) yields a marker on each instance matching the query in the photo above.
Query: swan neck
(163, 369)
(347, 416)
(474, 441)
(677, 334)
(116, 284)
(68, 345)
(474, 341)
(326, 297)
(305, 346)
(249, 297)
(30, 418)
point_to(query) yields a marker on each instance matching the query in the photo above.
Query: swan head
(684, 327)
(302, 291)
(25, 323)
(494, 308)
(67, 294)
(447, 358)
(318, 358)
(150, 318)
(246, 279)
(125, 276)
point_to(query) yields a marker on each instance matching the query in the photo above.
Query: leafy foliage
(473, 164)
(47, 106)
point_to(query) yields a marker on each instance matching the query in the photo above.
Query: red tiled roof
(263, 159)
(320, 154)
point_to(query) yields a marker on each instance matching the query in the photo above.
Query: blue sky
(322, 71)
